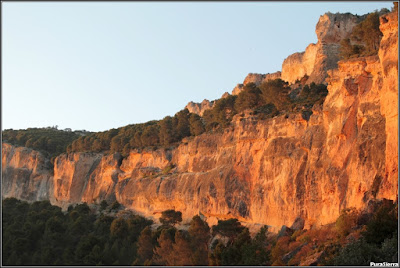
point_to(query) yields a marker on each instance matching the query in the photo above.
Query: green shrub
(346, 221)
(365, 37)
(49, 141)
(249, 98)
(115, 205)
(383, 223)
(170, 217)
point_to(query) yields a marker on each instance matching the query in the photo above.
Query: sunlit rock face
(318, 58)
(72, 174)
(261, 172)
(26, 174)
(388, 55)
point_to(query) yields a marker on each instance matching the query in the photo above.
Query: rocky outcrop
(225, 95)
(256, 79)
(318, 58)
(199, 108)
(299, 64)
(277, 171)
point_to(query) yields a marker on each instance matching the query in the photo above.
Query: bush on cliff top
(165, 132)
(50, 141)
(365, 38)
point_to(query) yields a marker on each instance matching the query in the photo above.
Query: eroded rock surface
(26, 174)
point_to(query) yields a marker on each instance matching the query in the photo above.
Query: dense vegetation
(164, 132)
(269, 99)
(50, 141)
(41, 234)
(365, 37)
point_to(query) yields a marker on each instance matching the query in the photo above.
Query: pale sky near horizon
(103, 65)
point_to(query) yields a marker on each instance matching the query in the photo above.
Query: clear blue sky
(102, 65)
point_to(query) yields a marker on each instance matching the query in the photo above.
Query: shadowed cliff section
(260, 171)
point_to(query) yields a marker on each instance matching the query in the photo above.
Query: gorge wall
(268, 172)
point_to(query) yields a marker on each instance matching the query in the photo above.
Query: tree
(249, 98)
(182, 250)
(215, 256)
(150, 136)
(166, 135)
(199, 232)
(255, 253)
(364, 39)
(383, 223)
(390, 248)
(346, 221)
(85, 247)
(348, 50)
(196, 125)
(119, 228)
(115, 205)
(163, 254)
(182, 127)
(115, 145)
(94, 257)
(136, 223)
(358, 253)
(82, 209)
(276, 92)
(103, 205)
(221, 114)
(145, 246)
(229, 228)
(368, 34)
(170, 217)
(138, 139)
(233, 254)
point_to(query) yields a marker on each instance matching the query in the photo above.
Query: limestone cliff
(270, 171)
(26, 174)
(318, 58)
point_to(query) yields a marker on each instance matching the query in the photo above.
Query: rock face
(27, 175)
(199, 108)
(85, 177)
(275, 172)
(318, 58)
(388, 55)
